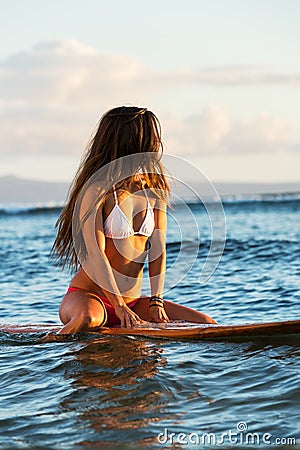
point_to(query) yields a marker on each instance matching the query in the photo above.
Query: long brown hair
(121, 132)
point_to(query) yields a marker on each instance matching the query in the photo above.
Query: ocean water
(133, 393)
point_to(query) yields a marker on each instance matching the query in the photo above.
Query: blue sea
(103, 392)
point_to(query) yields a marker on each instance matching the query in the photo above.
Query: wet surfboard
(177, 330)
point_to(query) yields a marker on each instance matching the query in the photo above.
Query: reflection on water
(120, 393)
(127, 390)
(283, 348)
(115, 389)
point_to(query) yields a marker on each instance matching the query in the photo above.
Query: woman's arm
(157, 260)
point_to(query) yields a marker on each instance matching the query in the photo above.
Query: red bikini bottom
(111, 317)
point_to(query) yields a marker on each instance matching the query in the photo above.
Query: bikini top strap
(146, 195)
(115, 194)
(116, 197)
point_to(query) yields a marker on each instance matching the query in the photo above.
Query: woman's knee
(84, 321)
(91, 321)
(85, 314)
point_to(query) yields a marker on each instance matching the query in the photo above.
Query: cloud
(51, 94)
(215, 132)
(65, 72)
(199, 133)
(234, 76)
(264, 133)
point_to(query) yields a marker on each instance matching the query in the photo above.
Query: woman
(118, 229)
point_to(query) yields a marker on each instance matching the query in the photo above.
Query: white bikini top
(117, 226)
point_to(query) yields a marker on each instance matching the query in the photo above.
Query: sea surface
(104, 392)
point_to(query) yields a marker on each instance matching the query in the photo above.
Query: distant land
(15, 190)
(20, 190)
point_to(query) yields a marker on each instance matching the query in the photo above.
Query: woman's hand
(127, 317)
(158, 314)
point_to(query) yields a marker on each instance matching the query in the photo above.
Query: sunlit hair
(121, 132)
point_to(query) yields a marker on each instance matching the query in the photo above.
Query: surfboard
(178, 330)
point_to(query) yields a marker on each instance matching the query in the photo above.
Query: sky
(223, 77)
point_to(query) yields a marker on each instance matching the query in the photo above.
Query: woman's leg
(174, 312)
(81, 311)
